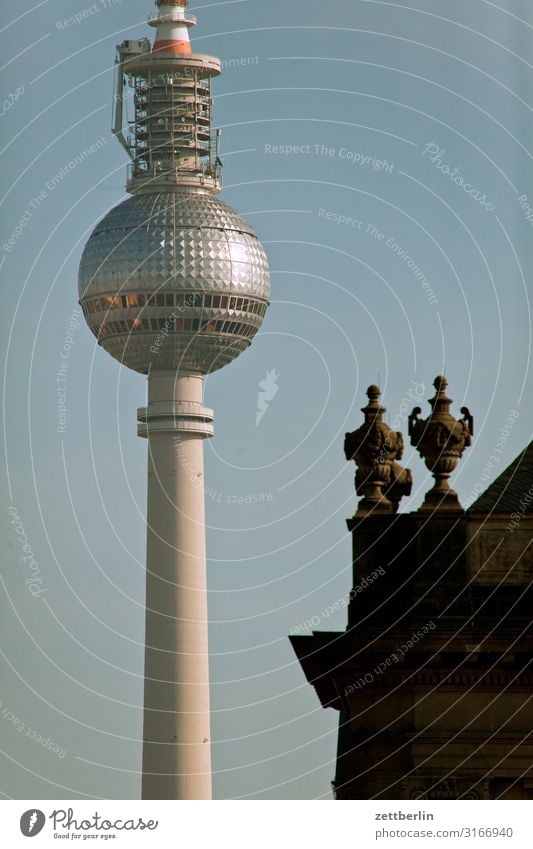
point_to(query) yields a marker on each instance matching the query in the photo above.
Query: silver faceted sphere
(174, 281)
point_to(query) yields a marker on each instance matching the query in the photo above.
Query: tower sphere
(174, 281)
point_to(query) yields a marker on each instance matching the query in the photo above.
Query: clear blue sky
(346, 110)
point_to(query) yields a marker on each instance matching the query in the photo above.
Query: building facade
(432, 677)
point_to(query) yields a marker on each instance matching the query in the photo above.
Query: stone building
(433, 675)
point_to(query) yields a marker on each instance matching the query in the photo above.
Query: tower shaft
(176, 737)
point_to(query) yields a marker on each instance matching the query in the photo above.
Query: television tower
(174, 284)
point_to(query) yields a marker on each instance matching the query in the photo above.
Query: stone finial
(375, 448)
(441, 440)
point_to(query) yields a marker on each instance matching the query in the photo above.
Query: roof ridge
(505, 493)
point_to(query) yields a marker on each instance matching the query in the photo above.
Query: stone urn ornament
(441, 440)
(375, 448)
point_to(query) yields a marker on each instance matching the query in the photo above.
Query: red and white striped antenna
(173, 23)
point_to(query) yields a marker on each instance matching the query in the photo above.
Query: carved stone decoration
(375, 448)
(432, 787)
(441, 440)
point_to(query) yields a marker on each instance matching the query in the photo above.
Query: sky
(382, 152)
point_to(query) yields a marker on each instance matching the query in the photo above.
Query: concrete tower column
(176, 735)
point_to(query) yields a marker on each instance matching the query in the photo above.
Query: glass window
(160, 300)
(169, 300)
(142, 300)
